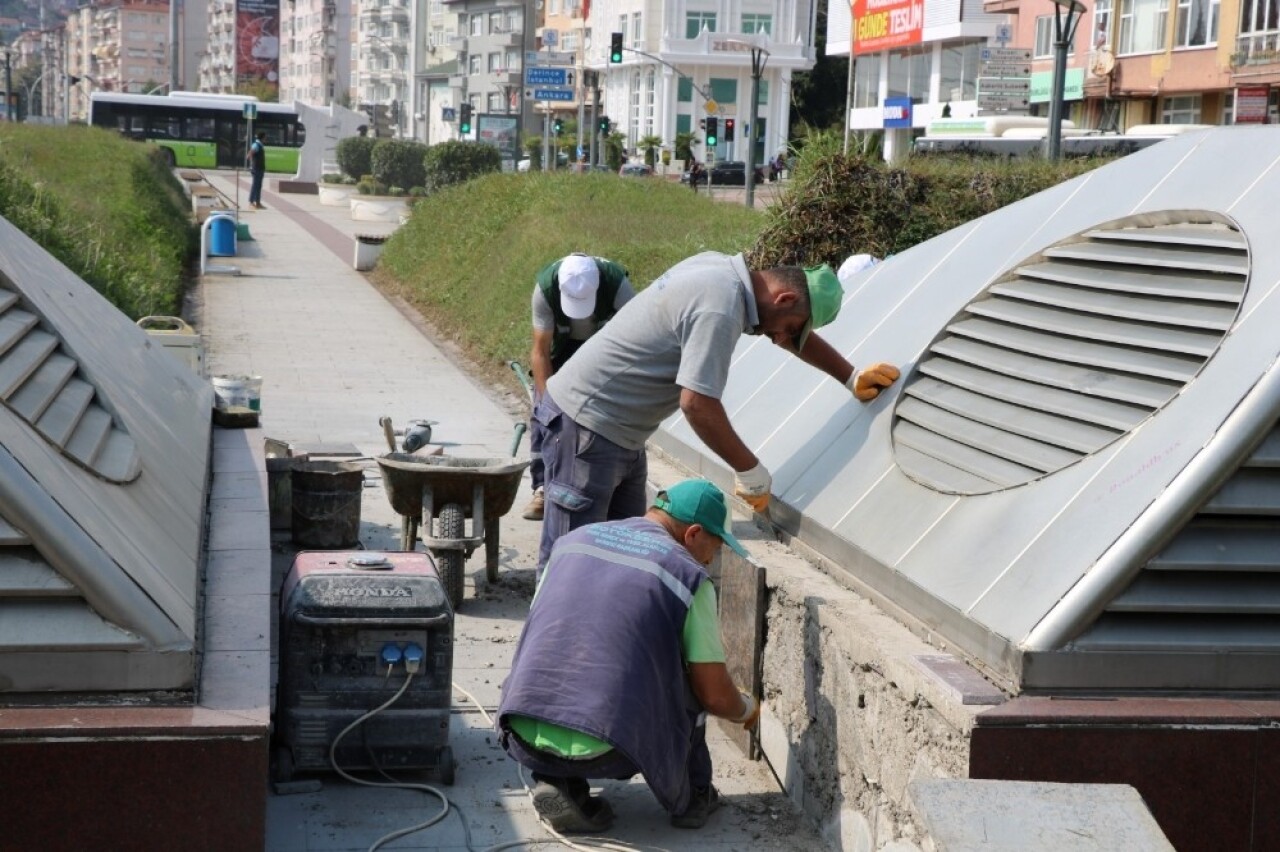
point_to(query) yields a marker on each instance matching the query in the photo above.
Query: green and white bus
(199, 130)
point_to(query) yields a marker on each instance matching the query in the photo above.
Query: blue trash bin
(222, 236)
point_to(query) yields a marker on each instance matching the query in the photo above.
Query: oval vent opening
(1070, 350)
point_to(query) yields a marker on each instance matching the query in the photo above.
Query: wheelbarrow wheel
(450, 562)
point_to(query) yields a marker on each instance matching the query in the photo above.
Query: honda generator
(354, 628)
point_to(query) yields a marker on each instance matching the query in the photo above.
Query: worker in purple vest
(620, 661)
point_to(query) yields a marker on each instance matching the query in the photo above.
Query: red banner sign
(1251, 104)
(885, 24)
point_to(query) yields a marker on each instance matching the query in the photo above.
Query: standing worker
(257, 169)
(671, 350)
(619, 661)
(572, 298)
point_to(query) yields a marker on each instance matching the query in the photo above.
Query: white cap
(854, 265)
(579, 280)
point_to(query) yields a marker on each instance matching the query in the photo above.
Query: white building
(315, 52)
(709, 43)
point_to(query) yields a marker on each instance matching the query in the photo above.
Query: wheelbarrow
(435, 495)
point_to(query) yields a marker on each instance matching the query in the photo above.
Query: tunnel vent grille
(1069, 351)
(41, 383)
(1216, 585)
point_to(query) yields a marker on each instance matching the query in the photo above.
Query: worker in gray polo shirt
(670, 349)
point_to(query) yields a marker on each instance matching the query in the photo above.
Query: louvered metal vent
(1070, 350)
(43, 385)
(1216, 586)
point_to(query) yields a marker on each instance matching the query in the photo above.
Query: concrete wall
(851, 717)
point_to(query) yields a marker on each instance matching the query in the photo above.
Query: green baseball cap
(825, 295)
(698, 501)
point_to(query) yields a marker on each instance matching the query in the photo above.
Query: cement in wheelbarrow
(452, 489)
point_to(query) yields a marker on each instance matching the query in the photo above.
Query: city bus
(199, 130)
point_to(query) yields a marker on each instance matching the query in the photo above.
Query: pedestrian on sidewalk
(572, 298)
(670, 350)
(619, 661)
(257, 169)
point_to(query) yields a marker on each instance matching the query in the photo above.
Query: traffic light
(711, 131)
(615, 48)
(728, 129)
(464, 119)
(557, 126)
(604, 124)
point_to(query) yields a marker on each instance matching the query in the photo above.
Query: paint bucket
(238, 392)
(326, 504)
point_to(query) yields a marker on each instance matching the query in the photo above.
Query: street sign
(1020, 86)
(1005, 69)
(1004, 54)
(544, 93)
(250, 110)
(1002, 101)
(547, 57)
(547, 75)
(711, 106)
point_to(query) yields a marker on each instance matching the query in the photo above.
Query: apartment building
(381, 42)
(1129, 62)
(491, 39)
(435, 62)
(115, 48)
(217, 68)
(315, 56)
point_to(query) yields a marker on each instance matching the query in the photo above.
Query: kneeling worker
(621, 659)
(572, 298)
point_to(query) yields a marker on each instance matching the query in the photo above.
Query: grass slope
(108, 208)
(467, 258)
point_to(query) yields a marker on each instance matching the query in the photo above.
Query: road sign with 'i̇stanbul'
(884, 24)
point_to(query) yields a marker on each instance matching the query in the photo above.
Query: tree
(263, 90)
(650, 145)
(818, 96)
(613, 150)
(684, 145)
(533, 147)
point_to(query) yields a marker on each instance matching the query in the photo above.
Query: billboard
(258, 44)
(886, 24)
(500, 131)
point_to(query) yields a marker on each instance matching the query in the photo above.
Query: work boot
(533, 512)
(702, 804)
(566, 805)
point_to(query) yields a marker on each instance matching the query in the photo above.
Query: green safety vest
(611, 277)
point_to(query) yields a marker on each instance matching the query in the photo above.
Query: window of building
(1197, 23)
(866, 81)
(753, 23)
(1180, 109)
(569, 41)
(553, 8)
(763, 93)
(495, 102)
(495, 62)
(1101, 24)
(512, 60)
(724, 90)
(473, 63)
(959, 73)
(908, 75)
(650, 106)
(633, 99)
(684, 123)
(1046, 36)
(695, 22)
(684, 90)
(1143, 24)
(514, 21)
(1258, 16)
(477, 25)
(637, 31)
(495, 22)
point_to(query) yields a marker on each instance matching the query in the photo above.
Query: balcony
(505, 77)
(1258, 48)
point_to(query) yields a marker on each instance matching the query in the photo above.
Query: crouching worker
(620, 661)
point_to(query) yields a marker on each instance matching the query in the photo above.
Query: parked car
(732, 173)
(635, 170)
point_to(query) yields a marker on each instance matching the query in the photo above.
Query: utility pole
(173, 46)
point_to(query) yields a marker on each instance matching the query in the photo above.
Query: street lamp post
(1066, 16)
(759, 56)
(8, 84)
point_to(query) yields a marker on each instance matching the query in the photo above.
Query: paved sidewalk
(335, 355)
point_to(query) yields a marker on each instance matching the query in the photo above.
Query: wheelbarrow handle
(523, 375)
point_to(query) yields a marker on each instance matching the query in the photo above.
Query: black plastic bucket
(326, 504)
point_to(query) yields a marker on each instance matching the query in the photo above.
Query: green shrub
(368, 186)
(399, 162)
(455, 161)
(331, 178)
(355, 155)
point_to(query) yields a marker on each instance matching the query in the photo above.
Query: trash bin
(368, 250)
(222, 236)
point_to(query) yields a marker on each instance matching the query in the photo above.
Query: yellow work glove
(753, 486)
(867, 384)
(750, 716)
